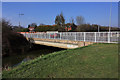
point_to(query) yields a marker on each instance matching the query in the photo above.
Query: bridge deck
(67, 44)
(73, 39)
(100, 37)
(60, 45)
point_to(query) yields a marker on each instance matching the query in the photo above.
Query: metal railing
(104, 37)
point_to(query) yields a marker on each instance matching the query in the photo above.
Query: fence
(104, 37)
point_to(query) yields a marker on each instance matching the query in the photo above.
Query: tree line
(60, 26)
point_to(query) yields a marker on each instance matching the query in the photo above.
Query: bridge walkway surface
(67, 44)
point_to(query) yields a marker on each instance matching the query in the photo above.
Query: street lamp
(110, 17)
(110, 23)
(19, 18)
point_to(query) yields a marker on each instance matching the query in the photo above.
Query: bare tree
(80, 20)
(72, 20)
(41, 24)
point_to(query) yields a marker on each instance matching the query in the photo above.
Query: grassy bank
(95, 61)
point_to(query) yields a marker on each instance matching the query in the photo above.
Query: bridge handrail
(105, 37)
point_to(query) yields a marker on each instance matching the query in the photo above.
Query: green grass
(94, 61)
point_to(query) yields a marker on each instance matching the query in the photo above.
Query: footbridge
(72, 40)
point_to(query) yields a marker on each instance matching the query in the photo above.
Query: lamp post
(110, 17)
(19, 18)
(110, 23)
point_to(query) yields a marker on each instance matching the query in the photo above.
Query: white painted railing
(104, 37)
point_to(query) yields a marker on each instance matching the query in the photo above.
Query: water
(35, 51)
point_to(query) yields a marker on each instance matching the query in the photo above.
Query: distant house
(70, 27)
(32, 27)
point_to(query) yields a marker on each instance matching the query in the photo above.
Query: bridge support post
(81, 43)
(37, 35)
(75, 35)
(60, 36)
(117, 34)
(30, 35)
(84, 36)
(54, 35)
(108, 37)
(84, 43)
(95, 36)
(49, 35)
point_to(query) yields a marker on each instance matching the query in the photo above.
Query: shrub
(12, 42)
